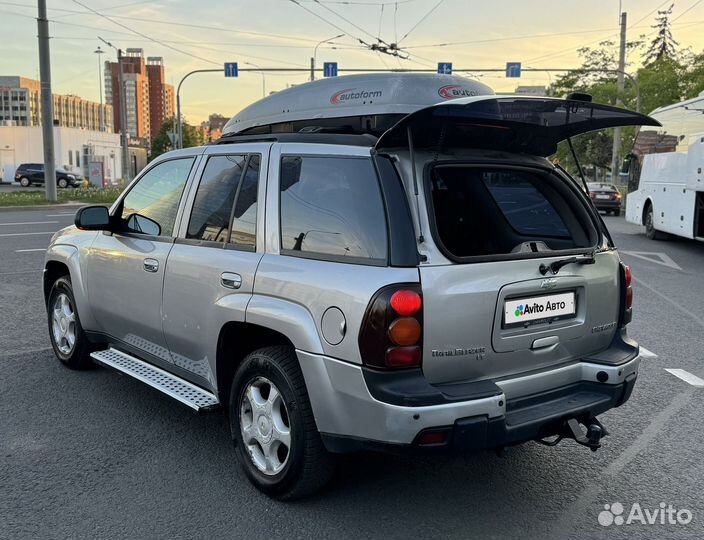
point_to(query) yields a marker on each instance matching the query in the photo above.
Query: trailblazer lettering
(351, 94)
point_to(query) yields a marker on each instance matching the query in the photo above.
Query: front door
(210, 271)
(125, 272)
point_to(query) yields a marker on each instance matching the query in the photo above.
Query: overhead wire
(423, 18)
(145, 36)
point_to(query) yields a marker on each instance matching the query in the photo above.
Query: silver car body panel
(313, 286)
(342, 404)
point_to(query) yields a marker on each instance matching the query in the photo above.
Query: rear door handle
(230, 280)
(151, 265)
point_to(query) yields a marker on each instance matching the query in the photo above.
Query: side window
(210, 216)
(244, 218)
(332, 207)
(156, 197)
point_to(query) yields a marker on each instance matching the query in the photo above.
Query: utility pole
(126, 172)
(99, 52)
(47, 103)
(615, 161)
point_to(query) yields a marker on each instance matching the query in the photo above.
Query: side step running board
(171, 385)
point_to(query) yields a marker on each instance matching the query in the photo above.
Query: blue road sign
(231, 69)
(445, 68)
(513, 70)
(330, 69)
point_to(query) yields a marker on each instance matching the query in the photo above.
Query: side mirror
(93, 218)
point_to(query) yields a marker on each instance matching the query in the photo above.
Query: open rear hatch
(527, 125)
(529, 281)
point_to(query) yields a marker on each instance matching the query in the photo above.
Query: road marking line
(61, 215)
(645, 353)
(588, 497)
(687, 377)
(665, 260)
(694, 316)
(27, 233)
(21, 273)
(29, 223)
(28, 250)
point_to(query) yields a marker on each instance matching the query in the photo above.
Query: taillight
(627, 295)
(391, 335)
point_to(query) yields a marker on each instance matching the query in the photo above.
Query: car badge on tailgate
(549, 283)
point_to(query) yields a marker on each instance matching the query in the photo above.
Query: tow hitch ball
(573, 430)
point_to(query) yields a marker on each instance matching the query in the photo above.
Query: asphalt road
(98, 455)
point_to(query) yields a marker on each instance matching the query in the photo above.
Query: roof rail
(364, 139)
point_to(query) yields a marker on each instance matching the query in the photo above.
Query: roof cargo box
(366, 103)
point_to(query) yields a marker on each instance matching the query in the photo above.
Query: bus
(666, 165)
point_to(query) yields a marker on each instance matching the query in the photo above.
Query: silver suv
(440, 287)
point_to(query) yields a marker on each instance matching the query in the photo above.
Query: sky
(204, 34)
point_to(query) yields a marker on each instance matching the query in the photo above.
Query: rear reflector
(397, 357)
(629, 297)
(406, 303)
(429, 438)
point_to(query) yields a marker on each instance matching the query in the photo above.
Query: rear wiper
(554, 267)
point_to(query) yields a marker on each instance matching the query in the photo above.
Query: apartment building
(149, 101)
(20, 105)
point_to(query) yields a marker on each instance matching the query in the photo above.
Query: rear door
(210, 270)
(492, 308)
(496, 309)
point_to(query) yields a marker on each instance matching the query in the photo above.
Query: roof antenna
(579, 167)
(412, 155)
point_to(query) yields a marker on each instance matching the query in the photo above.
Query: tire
(61, 302)
(289, 472)
(24, 182)
(63, 183)
(617, 212)
(650, 231)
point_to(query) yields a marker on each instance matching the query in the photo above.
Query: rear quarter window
(332, 209)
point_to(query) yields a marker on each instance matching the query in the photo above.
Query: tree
(663, 45)
(162, 143)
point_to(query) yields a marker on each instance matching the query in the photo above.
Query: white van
(668, 162)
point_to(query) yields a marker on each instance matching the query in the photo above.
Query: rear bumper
(607, 204)
(354, 411)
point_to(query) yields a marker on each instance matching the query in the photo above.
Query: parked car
(606, 197)
(441, 286)
(33, 173)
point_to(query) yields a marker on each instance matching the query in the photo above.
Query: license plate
(551, 307)
(603, 196)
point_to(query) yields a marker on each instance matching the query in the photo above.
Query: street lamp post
(315, 54)
(263, 77)
(99, 52)
(126, 174)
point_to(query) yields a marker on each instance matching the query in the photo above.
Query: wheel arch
(646, 205)
(62, 259)
(268, 321)
(235, 341)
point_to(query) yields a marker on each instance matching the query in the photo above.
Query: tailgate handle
(545, 342)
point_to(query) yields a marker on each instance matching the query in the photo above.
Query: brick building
(149, 100)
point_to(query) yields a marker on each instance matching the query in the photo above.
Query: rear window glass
(479, 211)
(524, 207)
